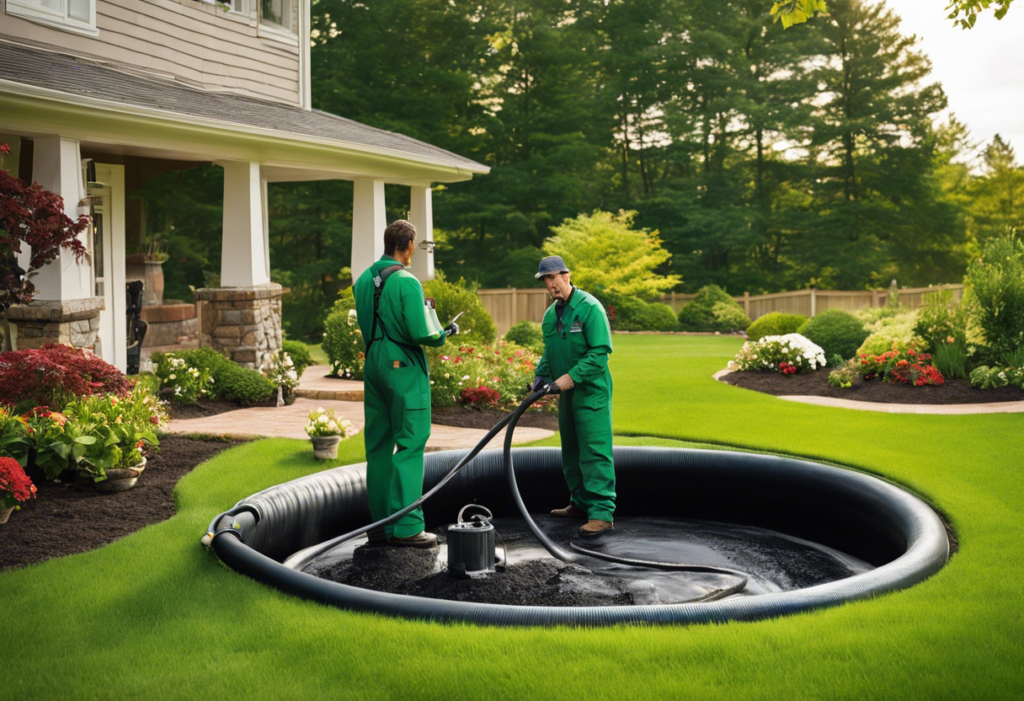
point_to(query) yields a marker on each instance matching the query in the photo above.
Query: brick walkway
(345, 397)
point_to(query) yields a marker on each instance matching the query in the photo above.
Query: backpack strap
(378, 288)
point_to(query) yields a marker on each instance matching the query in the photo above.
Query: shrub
(506, 368)
(951, 359)
(700, 314)
(841, 378)
(527, 334)
(343, 341)
(775, 324)
(985, 377)
(300, 355)
(940, 322)
(243, 386)
(475, 326)
(786, 354)
(637, 315)
(54, 374)
(479, 397)
(13, 435)
(994, 290)
(836, 331)
(185, 384)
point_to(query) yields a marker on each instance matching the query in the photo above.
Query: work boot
(420, 540)
(377, 537)
(571, 511)
(595, 527)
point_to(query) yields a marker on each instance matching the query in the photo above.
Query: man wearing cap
(395, 323)
(577, 341)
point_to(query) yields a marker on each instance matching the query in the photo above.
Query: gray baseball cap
(551, 264)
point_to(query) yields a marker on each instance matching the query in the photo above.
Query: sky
(981, 69)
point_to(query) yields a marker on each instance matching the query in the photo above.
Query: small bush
(837, 332)
(243, 386)
(450, 298)
(940, 322)
(985, 377)
(775, 324)
(505, 368)
(527, 334)
(700, 314)
(905, 367)
(647, 316)
(300, 355)
(951, 359)
(55, 374)
(994, 290)
(343, 341)
(841, 378)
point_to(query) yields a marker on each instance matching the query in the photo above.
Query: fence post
(814, 303)
(515, 317)
(874, 298)
(746, 303)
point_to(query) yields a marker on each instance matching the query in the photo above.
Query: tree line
(766, 159)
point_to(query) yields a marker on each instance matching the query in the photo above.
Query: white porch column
(57, 166)
(243, 261)
(421, 215)
(368, 223)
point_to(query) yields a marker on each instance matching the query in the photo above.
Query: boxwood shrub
(527, 334)
(836, 331)
(775, 324)
(300, 355)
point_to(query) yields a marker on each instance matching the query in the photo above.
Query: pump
(471, 544)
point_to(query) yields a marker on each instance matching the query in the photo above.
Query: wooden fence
(509, 306)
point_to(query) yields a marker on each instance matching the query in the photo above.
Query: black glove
(538, 382)
(451, 329)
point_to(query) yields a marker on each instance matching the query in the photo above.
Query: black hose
(566, 556)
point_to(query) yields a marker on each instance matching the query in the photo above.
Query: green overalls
(579, 345)
(396, 393)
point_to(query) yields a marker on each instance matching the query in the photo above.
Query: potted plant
(15, 487)
(326, 431)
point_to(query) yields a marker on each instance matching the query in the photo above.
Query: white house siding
(186, 39)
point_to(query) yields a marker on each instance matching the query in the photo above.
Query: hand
(451, 329)
(538, 382)
(565, 382)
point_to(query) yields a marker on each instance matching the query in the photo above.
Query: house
(96, 96)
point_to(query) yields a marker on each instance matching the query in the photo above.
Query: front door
(107, 249)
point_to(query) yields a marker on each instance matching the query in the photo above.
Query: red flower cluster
(480, 396)
(15, 486)
(787, 368)
(54, 373)
(902, 367)
(5, 149)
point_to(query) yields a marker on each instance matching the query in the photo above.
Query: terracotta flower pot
(121, 478)
(325, 447)
(6, 514)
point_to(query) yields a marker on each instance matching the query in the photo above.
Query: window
(277, 14)
(72, 15)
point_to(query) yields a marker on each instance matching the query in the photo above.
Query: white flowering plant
(787, 354)
(323, 422)
(281, 371)
(182, 382)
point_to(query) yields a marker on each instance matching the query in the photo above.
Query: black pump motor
(471, 544)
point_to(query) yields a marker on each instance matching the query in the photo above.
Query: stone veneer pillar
(73, 322)
(244, 323)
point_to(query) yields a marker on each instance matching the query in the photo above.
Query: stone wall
(244, 323)
(73, 323)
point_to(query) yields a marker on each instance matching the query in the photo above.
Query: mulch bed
(72, 517)
(954, 391)
(464, 417)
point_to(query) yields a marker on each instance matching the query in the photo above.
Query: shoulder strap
(378, 284)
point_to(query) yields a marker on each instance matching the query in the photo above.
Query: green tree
(604, 252)
(964, 12)
(997, 205)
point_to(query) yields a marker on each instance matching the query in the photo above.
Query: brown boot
(571, 511)
(420, 540)
(595, 527)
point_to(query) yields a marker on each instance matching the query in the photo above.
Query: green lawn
(154, 616)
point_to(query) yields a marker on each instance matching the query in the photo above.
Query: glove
(538, 382)
(451, 329)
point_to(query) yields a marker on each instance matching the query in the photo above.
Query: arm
(599, 345)
(414, 316)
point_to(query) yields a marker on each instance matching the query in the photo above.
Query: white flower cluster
(323, 422)
(769, 352)
(189, 384)
(281, 371)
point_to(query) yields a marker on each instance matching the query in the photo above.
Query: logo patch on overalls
(577, 327)
(398, 364)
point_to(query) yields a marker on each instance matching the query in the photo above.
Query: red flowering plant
(54, 374)
(901, 366)
(15, 486)
(505, 368)
(480, 397)
(32, 216)
(14, 441)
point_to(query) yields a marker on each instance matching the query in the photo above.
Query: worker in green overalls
(395, 323)
(577, 341)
